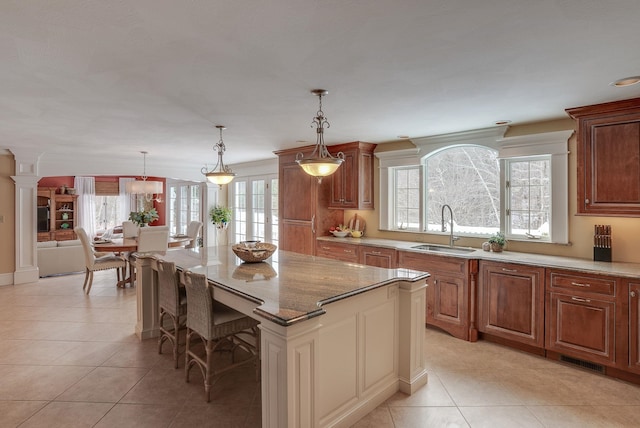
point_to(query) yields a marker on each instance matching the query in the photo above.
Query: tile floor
(70, 360)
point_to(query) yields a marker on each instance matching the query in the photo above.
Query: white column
(26, 181)
(148, 315)
(412, 373)
(288, 363)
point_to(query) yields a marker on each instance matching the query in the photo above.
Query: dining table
(130, 245)
(127, 245)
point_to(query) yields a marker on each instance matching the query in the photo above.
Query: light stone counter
(621, 269)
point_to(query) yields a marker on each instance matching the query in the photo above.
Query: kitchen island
(337, 339)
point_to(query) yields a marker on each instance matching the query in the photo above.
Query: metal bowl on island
(253, 251)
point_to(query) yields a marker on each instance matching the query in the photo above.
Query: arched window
(467, 178)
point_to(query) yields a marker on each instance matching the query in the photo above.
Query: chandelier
(321, 163)
(221, 173)
(144, 187)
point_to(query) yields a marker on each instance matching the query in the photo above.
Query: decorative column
(26, 195)
(412, 372)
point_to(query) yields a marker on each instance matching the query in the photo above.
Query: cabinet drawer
(379, 257)
(430, 262)
(338, 251)
(588, 284)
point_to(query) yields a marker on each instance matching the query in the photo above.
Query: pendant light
(220, 174)
(320, 163)
(144, 187)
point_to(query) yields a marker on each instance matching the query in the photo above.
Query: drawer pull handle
(326, 248)
(579, 299)
(509, 270)
(375, 252)
(347, 251)
(579, 284)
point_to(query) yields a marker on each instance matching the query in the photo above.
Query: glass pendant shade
(320, 163)
(320, 167)
(220, 177)
(220, 174)
(144, 187)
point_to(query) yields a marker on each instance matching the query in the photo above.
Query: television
(43, 219)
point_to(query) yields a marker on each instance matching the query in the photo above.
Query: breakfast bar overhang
(337, 339)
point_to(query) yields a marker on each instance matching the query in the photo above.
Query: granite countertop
(622, 269)
(288, 287)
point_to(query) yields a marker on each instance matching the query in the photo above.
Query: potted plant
(142, 218)
(497, 242)
(220, 216)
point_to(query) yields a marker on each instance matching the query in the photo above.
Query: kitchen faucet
(452, 238)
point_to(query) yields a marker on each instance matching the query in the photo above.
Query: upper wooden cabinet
(352, 183)
(302, 203)
(608, 158)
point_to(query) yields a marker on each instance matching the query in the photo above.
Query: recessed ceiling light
(502, 122)
(626, 81)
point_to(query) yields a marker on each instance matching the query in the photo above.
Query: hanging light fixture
(320, 163)
(144, 187)
(221, 173)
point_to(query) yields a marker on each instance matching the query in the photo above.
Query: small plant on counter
(497, 241)
(220, 216)
(142, 218)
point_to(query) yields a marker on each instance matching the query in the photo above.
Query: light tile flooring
(70, 360)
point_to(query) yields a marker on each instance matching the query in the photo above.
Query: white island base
(333, 363)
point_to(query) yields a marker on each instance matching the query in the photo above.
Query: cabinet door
(511, 302)
(378, 257)
(344, 183)
(608, 158)
(581, 327)
(446, 307)
(634, 327)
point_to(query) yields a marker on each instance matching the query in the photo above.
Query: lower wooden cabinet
(581, 316)
(449, 294)
(377, 256)
(511, 302)
(634, 327)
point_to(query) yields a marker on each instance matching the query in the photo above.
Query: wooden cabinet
(581, 316)
(352, 183)
(608, 158)
(634, 327)
(338, 251)
(377, 256)
(511, 302)
(62, 214)
(449, 294)
(302, 203)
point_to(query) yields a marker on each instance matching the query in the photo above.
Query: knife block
(601, 254)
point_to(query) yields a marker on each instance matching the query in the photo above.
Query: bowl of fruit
(339, 231)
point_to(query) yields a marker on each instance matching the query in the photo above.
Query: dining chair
(173, 304)
(193, 230)
(220, 328)
(129, 229)
(152, 240)
(94, 263)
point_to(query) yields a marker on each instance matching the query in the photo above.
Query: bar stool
(173, 304)
(217, 326)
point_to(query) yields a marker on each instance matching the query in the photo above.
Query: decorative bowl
(260, 252)
(340, 233)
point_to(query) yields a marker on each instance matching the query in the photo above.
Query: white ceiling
(103, 79)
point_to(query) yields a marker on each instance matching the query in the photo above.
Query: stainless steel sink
(444, 249)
